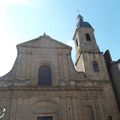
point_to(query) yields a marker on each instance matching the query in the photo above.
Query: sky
(23, 20)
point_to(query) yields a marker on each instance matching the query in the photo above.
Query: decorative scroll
(2, 112)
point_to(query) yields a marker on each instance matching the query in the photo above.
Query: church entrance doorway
(45, 118)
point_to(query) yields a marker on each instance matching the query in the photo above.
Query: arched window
(87, 37)
(76, 42)
(95, 66)
(44, 75)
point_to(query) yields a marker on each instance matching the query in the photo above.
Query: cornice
(39, 88)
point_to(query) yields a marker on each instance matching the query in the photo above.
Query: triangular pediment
(44, 41)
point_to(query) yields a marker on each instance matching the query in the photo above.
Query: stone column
(13, 109)
(19, 109)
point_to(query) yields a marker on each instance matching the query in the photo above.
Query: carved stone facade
(79, 93)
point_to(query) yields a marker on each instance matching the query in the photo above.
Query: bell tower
(89, 59)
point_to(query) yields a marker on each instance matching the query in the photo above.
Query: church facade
(44, 84)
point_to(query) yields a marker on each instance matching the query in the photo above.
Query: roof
(116, 62)
(44, 41)
(82, 23)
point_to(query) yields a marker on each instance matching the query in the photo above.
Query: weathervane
(79, 17)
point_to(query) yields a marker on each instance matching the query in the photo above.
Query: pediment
(44, 41)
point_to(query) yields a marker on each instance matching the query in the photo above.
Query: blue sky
(22, 20)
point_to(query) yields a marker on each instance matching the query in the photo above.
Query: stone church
(44, 84)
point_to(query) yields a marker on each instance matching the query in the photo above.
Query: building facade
(44, 84)
(114, 73)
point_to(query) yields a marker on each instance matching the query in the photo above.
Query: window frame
(76, 41)
(44, 75)
(88, 38)
(95, 66)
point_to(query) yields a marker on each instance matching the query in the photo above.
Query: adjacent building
(114, 73)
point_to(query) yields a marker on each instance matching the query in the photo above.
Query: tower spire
(82, 23)
(80, 18)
